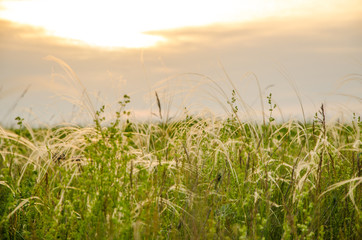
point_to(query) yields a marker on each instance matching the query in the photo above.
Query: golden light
(117, 23)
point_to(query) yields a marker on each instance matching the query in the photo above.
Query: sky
(55, 55)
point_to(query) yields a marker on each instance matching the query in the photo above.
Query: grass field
(193, 178)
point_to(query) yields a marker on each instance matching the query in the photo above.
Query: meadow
(191, 178)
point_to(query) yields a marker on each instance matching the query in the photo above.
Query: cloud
(315, 32)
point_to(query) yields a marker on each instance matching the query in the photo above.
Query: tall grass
(196, 178)
(192, 178)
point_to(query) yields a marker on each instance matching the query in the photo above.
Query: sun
(115, 23)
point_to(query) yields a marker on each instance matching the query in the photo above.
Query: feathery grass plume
(13, 107)
(73, 80)
(158, 105)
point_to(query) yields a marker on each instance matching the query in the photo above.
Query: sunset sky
(181, 49)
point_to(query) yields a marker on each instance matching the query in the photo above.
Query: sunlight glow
(112, 23)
